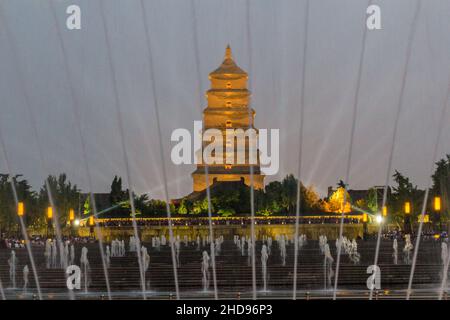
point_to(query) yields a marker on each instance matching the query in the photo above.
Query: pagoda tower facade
(228, 108)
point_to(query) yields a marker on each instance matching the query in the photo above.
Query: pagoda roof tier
(237, 93)
(219, 169)
(228, 69)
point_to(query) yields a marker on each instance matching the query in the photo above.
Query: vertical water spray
(12, 263)
(205, 270)
(350, 148)
(145, 263)
(300, 138)
(396, 122)
(395, 251)
(264, 258)
(75, 108)
(117, 105)
(22, 224)
(442, 121)
(35, 130)
(161, 150)
(25, 273)
(208, 192)
(252, 187)
(84, 261)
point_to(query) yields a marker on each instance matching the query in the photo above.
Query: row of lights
(21, 212)
(384, 212)
(407, 210)
(436, 205)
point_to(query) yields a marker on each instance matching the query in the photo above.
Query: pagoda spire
(228, 54)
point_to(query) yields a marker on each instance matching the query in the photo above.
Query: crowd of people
(240, 221)
(427, 234)
(39, 240)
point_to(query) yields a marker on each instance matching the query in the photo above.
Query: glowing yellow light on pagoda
(20, 209)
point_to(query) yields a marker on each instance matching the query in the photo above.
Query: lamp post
(407, 220)
(384, 213)
(20, 214)
(20, 209)
(365, 219)
(49, 218)
(91, 225)
(437, 212)
(71, 220)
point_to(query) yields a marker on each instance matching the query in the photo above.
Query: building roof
(228, 68)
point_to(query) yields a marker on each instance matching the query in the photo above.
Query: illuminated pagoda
(228, 108)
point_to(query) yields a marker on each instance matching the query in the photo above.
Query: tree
(405, 191)
(289, 194)
(264, 212)
(372, 200)
(441, 184)
(201, 207)
(87, 206)
(116, 194)
(8, 209)
(140, 203)
(311, 200)
(361, 204)
(339, 201)
(226, 212)
(182, 209)
(65, 196)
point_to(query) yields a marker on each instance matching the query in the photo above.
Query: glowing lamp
(384, 211)
(379, 218)
(365, 217)
(407, 207)
(49, 212)
(71, 215)
(437, 203)
(91, 220)
(77, 222)
(20, 209)
(426, 218)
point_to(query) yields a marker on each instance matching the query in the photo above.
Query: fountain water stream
(12, 263)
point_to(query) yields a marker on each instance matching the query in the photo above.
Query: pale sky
(335, 38)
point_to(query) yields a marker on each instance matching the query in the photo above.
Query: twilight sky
(335, 37)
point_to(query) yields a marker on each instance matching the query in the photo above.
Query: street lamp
(379, 219)
(91, 225)
(71, 220)
(407, 207)
(365, 219)
(49, 218)
(50, 213)
(437, 211)
(20, 209)
(407, 222)
(20, 213)
(71, 215)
